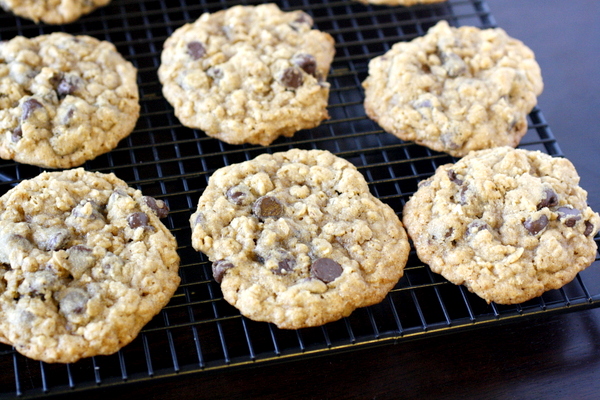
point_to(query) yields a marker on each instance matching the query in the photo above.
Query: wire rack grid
(198, 331)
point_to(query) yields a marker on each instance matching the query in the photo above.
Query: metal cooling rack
(198, 331)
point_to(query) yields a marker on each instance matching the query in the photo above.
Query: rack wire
(198, 331)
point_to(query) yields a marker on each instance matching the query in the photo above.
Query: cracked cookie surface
(52, 11)
(297, 239)
(85, 263)
(455, 89)
(64, 99)
(248, 74)
(507, 223)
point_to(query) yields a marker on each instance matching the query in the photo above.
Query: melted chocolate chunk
(569, 216)
(137, 219)
(326, 269)
(57, 240)
(81, 259)
(550, 199)
(453, 64)
(74, 302)
(236, 195)
(159, 207)
(477, 226)
(196, 50)
(536, 226)
(66, 86)
(82, 211)
(307, 62)
(284, 266)
(453, 178)
(17, 134)
(292, 78)
(219, 268)
(29, 106)
(267, 207)
(589, 228)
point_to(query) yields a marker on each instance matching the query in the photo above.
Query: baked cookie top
(297, 239)
(64, 99)
(455, 89)
(507, 223)
(405, 3)
(85, 263)
(52, 11)
(248, 74)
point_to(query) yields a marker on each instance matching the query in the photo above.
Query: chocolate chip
(284, 266)
(536, 226)
(81, 259)
(196, 50)
(219, 268)
(447, 139)
(29, 106)
(267, 207)
(88, 209)
(570, 216)
(326, 269)
(74, 302)
(589, 228)
(462, 195)
(307, 62)
(215, 73)
(453, 64)
(137, 219)
(477, 226)
(159, 207)
(58, 238)
(66, 86)
(422, 104)
(17, 134)
(304, 18)
(550, 199)
(237, 195)
(452, 176)
(292, 78)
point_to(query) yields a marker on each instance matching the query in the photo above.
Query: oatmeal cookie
(455, 89)
(248, 74)
(507, 223)
(52, 11)
(85, 263)
(64, 99)
(297, 239)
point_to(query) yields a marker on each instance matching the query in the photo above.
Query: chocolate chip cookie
(85, 263)
(455, 89)
(52, 11)
(507, 223)
(297, 239)
(248, 74)
(64, 99)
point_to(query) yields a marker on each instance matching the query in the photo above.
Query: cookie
(507, 223)
(248, 74)
(52, 11)
(64, 99)
(85, 263)
(455, 89)
(296, 238)
(405, 3)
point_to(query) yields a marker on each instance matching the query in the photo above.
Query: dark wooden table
(554, 357)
